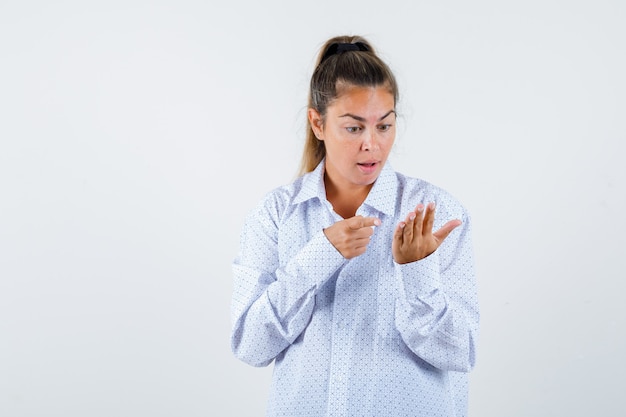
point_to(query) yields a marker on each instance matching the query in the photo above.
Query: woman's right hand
(351, 236)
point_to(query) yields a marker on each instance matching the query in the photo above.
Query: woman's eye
(384, 128)
(353, 129)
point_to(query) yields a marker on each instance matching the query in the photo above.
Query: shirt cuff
(313, 265)
(420, 278)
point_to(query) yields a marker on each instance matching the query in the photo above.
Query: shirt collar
(382, 196)
(312, 185)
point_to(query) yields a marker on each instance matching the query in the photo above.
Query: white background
(135, 136)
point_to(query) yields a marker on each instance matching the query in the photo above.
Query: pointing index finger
(371, 221)
(359, 222)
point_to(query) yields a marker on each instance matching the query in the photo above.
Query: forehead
(366, 102)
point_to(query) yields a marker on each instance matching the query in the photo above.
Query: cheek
(336, 142)
(338, 149)
(349, 147)
(388, 141)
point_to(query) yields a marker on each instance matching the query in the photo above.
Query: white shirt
(359, 337)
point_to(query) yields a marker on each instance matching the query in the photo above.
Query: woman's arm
(272, 304)
(437, 307)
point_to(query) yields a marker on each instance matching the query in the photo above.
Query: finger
(418, 225)
(362, 233)
(358, 222)
(429, 218)
(445, 230)
(371, 221)
(360, 244)
(362, 241)
(355, 223)
(407, 231)
(398, 235)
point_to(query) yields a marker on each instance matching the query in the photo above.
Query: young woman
(356, 280)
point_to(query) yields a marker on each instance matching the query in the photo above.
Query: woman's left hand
(414, 238)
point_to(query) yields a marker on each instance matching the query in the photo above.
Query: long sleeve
(437, 306)
(272, 303)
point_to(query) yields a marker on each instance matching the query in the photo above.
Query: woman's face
(358, 132)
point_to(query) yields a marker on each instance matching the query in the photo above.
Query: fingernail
(377, 222)
(420, 208)
(412, 216)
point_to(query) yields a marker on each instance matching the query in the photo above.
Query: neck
(347, 199)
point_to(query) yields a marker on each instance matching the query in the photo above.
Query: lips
(367, 163)
(368, 167)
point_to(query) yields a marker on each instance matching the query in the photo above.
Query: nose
(369, 141)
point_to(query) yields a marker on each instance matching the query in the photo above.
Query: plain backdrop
(136, 135)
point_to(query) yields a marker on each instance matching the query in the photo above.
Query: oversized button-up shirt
(358, 337)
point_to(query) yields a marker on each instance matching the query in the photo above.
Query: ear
(317, 124)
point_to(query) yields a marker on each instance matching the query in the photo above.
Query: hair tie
(344, 47)
(339, 48)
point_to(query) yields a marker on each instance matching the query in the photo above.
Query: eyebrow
(362, 119)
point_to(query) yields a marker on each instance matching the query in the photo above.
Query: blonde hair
(337, 68)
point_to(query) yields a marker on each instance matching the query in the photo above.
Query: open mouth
(368, 168)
